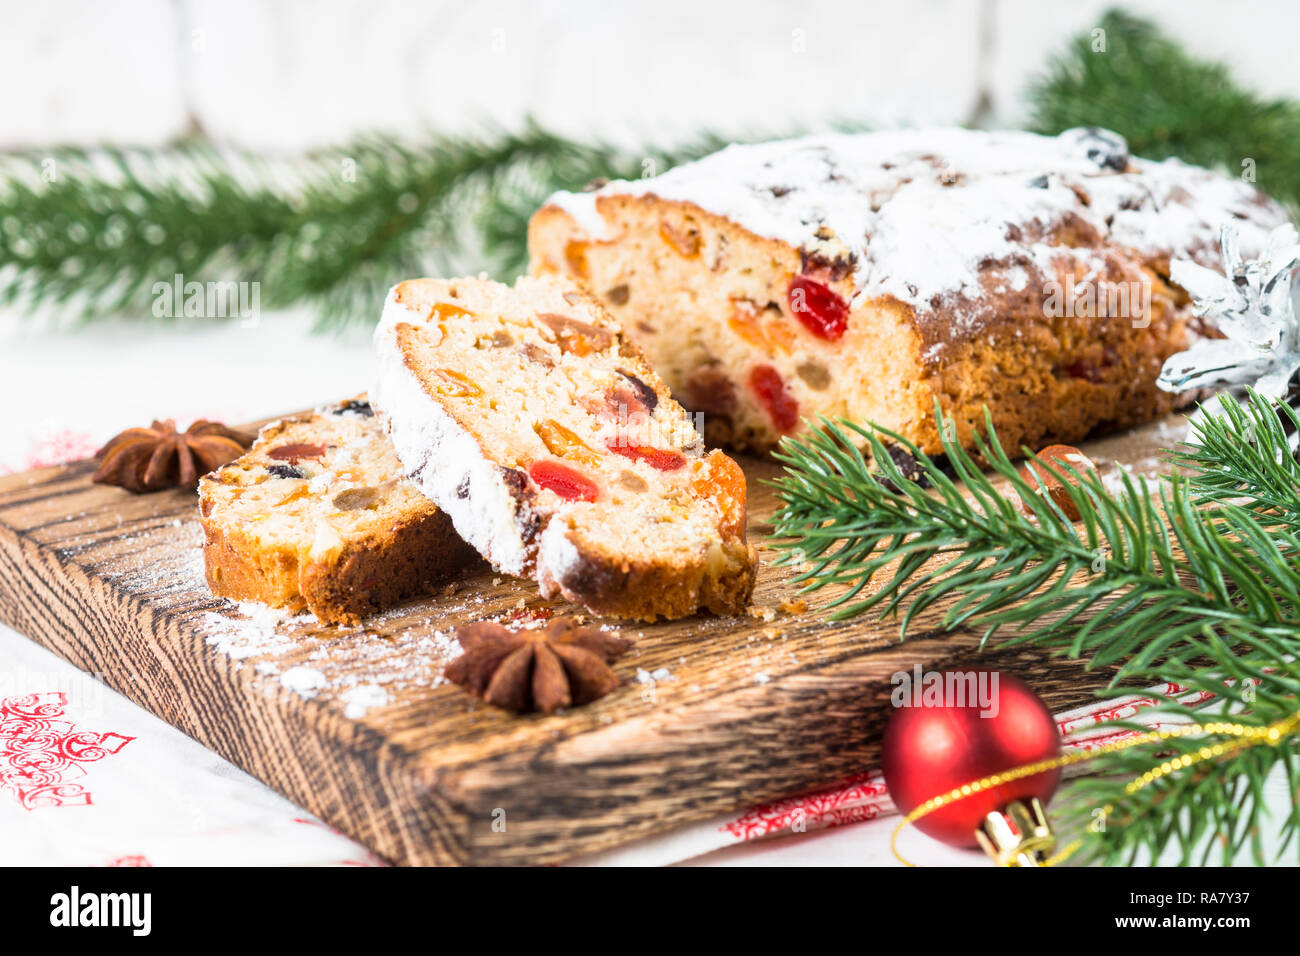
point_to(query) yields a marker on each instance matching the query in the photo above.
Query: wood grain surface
(742, 710)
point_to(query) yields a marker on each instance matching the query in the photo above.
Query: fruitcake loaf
(557, 451)
(869, 275)
(319, 515)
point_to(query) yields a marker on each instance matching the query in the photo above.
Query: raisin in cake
(318, 514)
(869, 275)
(556, 450)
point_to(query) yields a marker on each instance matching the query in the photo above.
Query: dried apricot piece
(579, 338)
(446, 310)
(686, 243)
(780, 335)
(720, 480)
(296, 495)
(575, 254)
(744, 322)
(458, 385)
(563, 442)
(748, 321)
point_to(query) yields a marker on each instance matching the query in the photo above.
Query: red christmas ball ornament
(954, 727)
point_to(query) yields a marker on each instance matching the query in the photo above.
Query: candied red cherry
(782, 407)
(654, 457)
(569, 483)
(1092, 371)
(1083, 370)
(823, 312)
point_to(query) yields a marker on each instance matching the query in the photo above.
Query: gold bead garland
(1244, 738)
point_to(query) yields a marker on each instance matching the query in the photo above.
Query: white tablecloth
(87, 777)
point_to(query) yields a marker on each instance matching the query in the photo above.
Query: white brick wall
(283, 75)
(86, 70)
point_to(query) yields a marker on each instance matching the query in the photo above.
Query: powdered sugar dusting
(427, 440)
(919, 214)
(168, 565)
(361, 668)
(258, 631)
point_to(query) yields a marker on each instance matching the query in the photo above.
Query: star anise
(544, 669)
(147, 459)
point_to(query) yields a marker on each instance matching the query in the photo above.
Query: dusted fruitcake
(318, 514)
(869, 275)
(557, 451)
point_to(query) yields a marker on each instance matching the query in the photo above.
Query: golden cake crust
(341, 565)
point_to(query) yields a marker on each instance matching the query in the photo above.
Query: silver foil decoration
(1253, 304)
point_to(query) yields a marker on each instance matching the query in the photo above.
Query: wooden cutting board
(355, 725)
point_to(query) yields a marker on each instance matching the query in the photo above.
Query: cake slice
(870, 275)
(319, 515)
(557, 451)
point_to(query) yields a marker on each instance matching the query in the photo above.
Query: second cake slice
(318, 515)
(556, 450)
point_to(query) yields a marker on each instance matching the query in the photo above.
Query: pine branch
(1242, 454)
(1214, 810)
(334, 230)
(1138, 580)
(1168, 103)
(1196, 589)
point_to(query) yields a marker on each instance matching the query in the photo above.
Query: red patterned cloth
(41, 756)
(87, 778)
